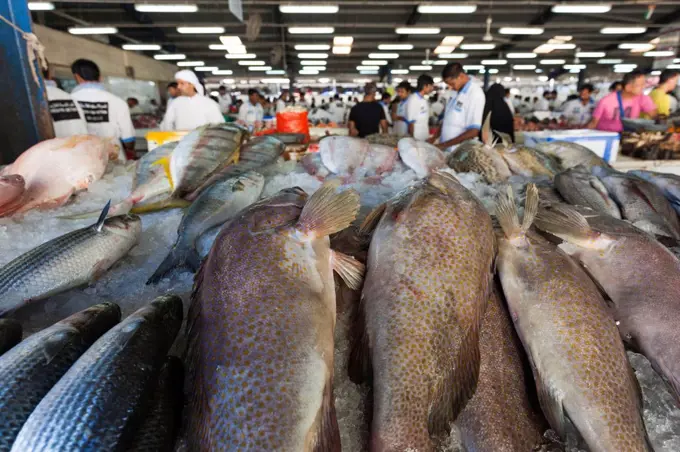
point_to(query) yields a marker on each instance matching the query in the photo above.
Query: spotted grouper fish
(261, 325)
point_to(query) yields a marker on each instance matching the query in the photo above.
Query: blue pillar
(25, 115)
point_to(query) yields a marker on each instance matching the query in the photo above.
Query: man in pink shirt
(630, 101)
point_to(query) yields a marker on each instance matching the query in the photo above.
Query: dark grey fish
(32, 368)
(581, 188)
(98, 403)
(10, 334)
(669, 184)
(572, 154)
(290, 138)
(158, 430)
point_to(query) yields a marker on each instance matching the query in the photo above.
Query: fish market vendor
(251, 112)
(464, 109)
(192, 109)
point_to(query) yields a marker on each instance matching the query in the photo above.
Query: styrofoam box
(604, 144)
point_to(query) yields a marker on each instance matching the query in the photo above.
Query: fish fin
(99, 269)
(487, 135)
(328, 211)
(359, 366)
(165, 163)
(99, 225)
(349, 269)
(177, 258)
(169, 203)
(551, 404)
(442, 181)
(327, 435)
(560, 219)
(372, 219)
(530, 207)
(506, 213)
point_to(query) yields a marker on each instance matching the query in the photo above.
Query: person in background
(282, 101)
(517, 101)
(173, 92)
(251, 112)
(133, 105)
(224, 99)
(337, 110)
(367, 117)
(508, 101)
(266, 105)
(436, 108)
(399, 115)
(616, 86)
(418, 109)
(532, 124)
(542, 104)
(579, 112)
(501, 115)
(629, 102)
(192, 109)
(553, 103)
(464, 110)
(668, 80)
(67, 117)
(526, 106)
(385, 100)
(106, 114)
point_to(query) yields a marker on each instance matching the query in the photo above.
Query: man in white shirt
(418, 109)
(543, 104)
(282, 101)
(579, 112)
(173, 93)
(464, 109)
(337, 110)
(106, 114)
(251, 112)
(399, 119)
(67, 117)
(224, 99)
(192, 109)
(508, 101)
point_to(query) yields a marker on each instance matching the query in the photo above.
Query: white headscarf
(189, 77)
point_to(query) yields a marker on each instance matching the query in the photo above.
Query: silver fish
(147, 166)
(572, 154)
(669, 184)
(581, 188)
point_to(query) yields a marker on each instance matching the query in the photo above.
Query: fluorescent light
(453, 56)
(375, 62)
(217, 47)
(521, 55)
(141, 47)
(447, 9)
(367, 68)
(312, 56)
(395, 46)
(418, 30)
(260, 68)
(169, 56)
(609, 61)
(641, 46)
(40, 6)
(622, 30)
(200, 30)
(315, 68)
(676, 60)
(521, 31)
(223, 72)
(92, 30)
(309, 9)
(276, 72)
(343, 41)
(590, 54)
(313, 62)
(543, 78)
(655, 73)
(633, 65)
(492, 71)
(275, 80)
(452, 41)
(206, 68)
(227, 80)
(444, 49)
(312, 47)
(421, 68)
(191, 63)
(383, 56)
(623, 69)
(440, 62)
(552, 61)
(574, 66)
(494, 62)
(524, 67)
(673, 66)
(561, 38)
(311, 30)
(240, 56)
(324, 80)
(231, 41)
(581, 9)
(237, 50)
(539, 71)
(473, 67)
(659, 53)
(308, 72)
(547, 48)
(251, 63)
(478, 46)
(341, 50)
(166, 8)
(368, 72)
(399, 71)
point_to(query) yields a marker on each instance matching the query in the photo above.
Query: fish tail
(178, 257)
(530, 207)
(328, 211)
(165, 163)
(564, 221)
(171, 203)
(506, 213)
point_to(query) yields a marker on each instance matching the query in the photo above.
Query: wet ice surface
(125, 285)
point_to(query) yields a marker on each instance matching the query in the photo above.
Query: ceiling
(371, 23)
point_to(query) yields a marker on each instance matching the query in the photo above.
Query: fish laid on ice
(162, 418)
(579, 363)
(641, 203)
(261, 323)
(525, 161)
(54, 170)
(638, 274)
(343, 155)
(581, 188)
(98, 403)
(12, 187)
(669, 184)
(10, 334)
(427, 285)
(420, 156)
(314, 166)
(147, 167)
(379, 160)
(32, 368)
(572, 154)
(500, 416)
(68, 261)
(218, 203)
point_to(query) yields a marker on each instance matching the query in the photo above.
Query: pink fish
(56, 169)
